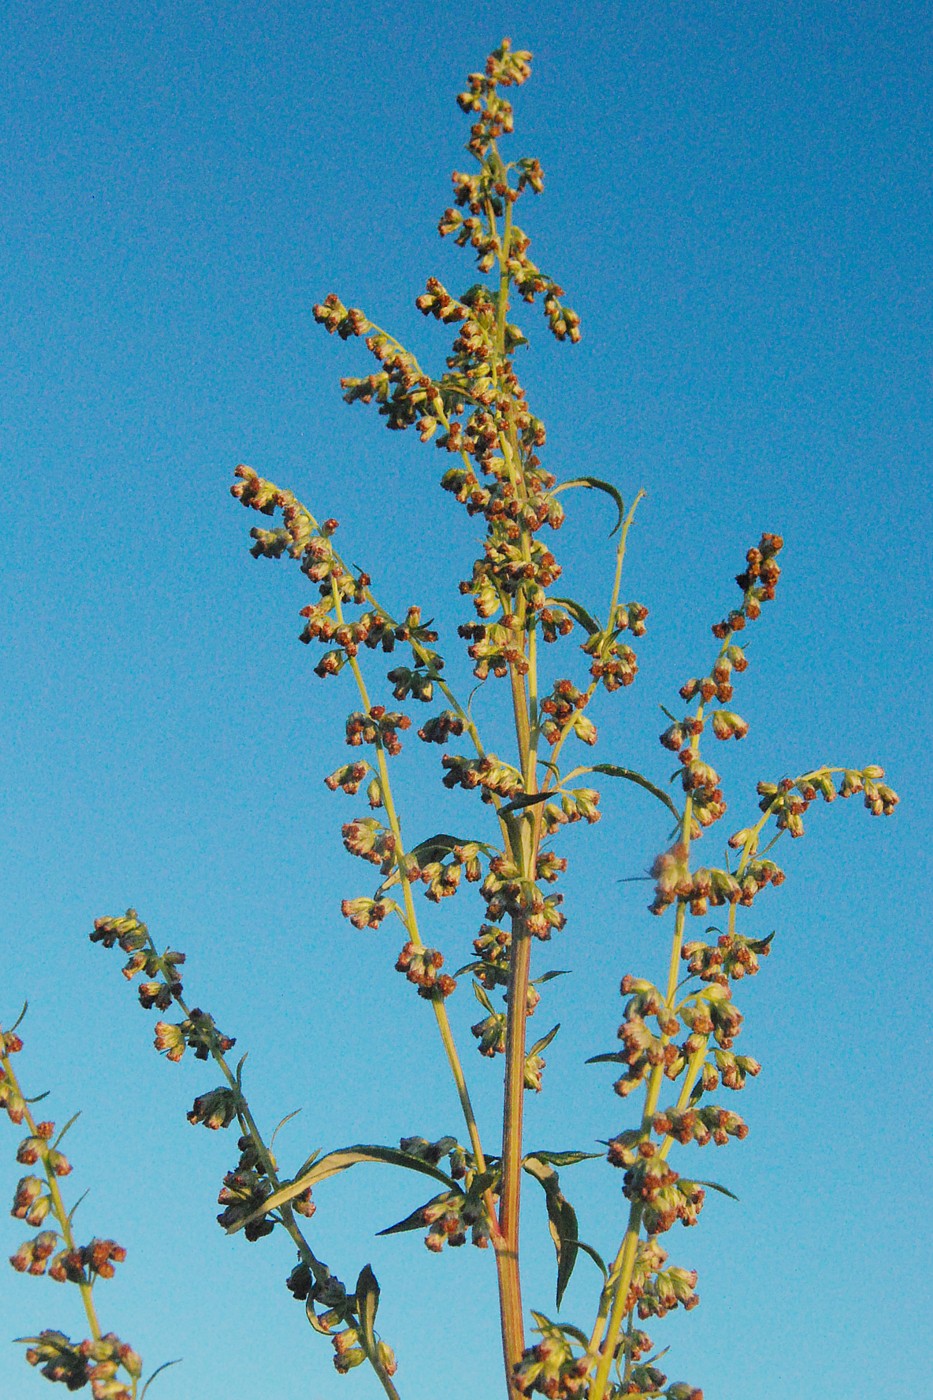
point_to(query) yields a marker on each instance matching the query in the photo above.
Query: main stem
(513, 1327)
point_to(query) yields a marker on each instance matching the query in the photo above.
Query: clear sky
(738, 204)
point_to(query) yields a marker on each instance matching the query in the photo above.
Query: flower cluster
(132, 937)
(110, 1366)
(422, 966)
(96, 1362)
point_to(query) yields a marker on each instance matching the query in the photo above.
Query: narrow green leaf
(612, 770)
(157, 1372)
(564, 1159)
(562, 1220)
(549, 976)
(615, 1057)
(658, 1356)
(579, 614)
(367, 1304)
(331, 1165)
(71, 1213)
(415, 1221)
(19, 1020)
(71, 1121)
(715, 1186)
(596, 1257)
(482, 997)
(545, 1041)
(594, 483)
(527, 799)
(287, 1119)
(308, 1162)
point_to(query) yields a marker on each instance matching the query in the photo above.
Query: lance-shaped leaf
(594, 483)
(527, 799)
(482, 996)
(564, 1159)
(562, 1220)
(340, 1161)
(579, 613)
(367, 1302)
(544, 1042)
(416, 1220)
(612, 770)
(596, 1257)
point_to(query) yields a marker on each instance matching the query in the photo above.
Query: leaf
(594, 483)
(527, 799)
(482, 997)
(596, 1258)
(615, 1057)
(564, 1159)
(442, 844)
(612, 770)
(19, 1020)
(288, 1117)
(331, 1165)
(549, 976)
(431, 848)
(473, 967)
(715, 1186)
(545, 1041)
(578, 613)
(308, 1161)
(314, 1319)
(367, 1304)
(71, 1213)
(562, 1220)
(415, 1221)
(157, 1372)
(575, 1332)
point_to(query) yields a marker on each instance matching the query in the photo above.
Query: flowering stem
(625, 1260)
(86, 1288)
(411, 917)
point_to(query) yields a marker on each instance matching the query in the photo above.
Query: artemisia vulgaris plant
(677, 1060)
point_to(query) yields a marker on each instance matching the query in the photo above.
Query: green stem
(513, 1334)
(620, 558)
(620, 1281)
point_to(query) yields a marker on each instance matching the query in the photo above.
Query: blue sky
(738, 205)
